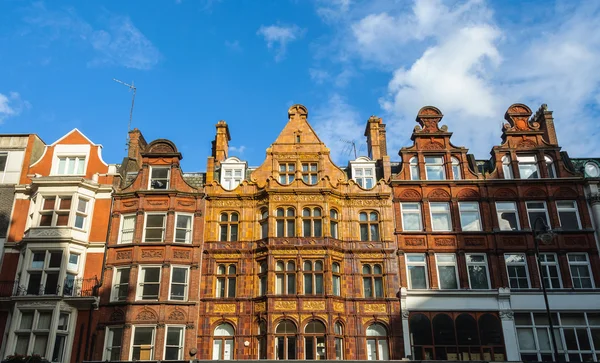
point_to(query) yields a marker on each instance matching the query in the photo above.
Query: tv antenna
(134, 89)
(351, 146)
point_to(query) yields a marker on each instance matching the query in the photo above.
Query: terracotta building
(52, 262)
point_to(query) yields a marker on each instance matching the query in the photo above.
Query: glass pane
(55, 259)
(39, 345)
(155, 220)
(478, 277)
(65, 204)
(447, 277)
(26, 320)
(526, 339)
(417, 277)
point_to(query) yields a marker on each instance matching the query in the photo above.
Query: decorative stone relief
(260, 307)
(176, 315)
(439, 194)
(410, 194)
(374, 308)
(445, 242)
(224, 308)
(146, 315)
(339, 306)
(507, 315)
(117, 315)
(313, 305)
(285, 305)
(474, 241)
(152, 253)
(414, 241)
(124, 255)
(181, 254)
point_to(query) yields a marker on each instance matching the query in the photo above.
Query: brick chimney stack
(220, 149)
(377, 144)
(137, 144)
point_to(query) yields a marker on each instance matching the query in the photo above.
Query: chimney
(219, 149)
(376, 141)
(137, 144)
(546, 121)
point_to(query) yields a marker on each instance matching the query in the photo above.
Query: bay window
(226, 281)
(286, 222)
(127, 230)
(183, 228)
(372, 280)
(229, 226)
(311, 222)
(179, 283)
(369, 226)
(313, 277)
(43, 272)
(285, 278)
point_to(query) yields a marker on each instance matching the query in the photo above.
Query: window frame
(163, 228)
(287, 174)
(484, 264)
(140, 284)
(285, 221)
(313, 274)
(55, 212)
(152, 345)
(575, 209)
(439, 263)
(550, 167)
(507, 167)
(526, 160)
(310, 176)
(448, 215)
(359, 175)
(455, 166)
(413, 163)
(503, 210)
(418, 212)
(189, 232)
(121, 230)
(373, 278)
(151, 179)
(76, 157)
(416, 264)
(461, 209)
(545, 264)
(537, 210)
(229, 225)
(441, 166)
(283, 275)
(233, 181)
(227, 277)
(45, 271)
(181, 346)
(106, 351)
(586, 263)
(186, 284)
(336, 278)
(116, 284)
(524, 264)
(370, 224)
(313, 221)
(334, 223)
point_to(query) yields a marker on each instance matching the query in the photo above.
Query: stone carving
(146, 314)
(224, 308)
(162, 147)
(512, 241)
(526, 144)
(177, 315)
(49, 232)
(369, 255)
(185, 203)
(181, 254)
(432, 145)
(285, 305)
(124, 255)
(260, 307)
(428, 119)
(473, 241)
(374, 308)
(414, 241)
(445, 242)
(468, 194)
(405, 313)
(157, 202)
(117, 315)
(517, 116)
(130, 204)
(313, 305)
(410, 194)
(535, 193)
(505, 194)
(564, 192)
(575, 241)
(339, 306)
(152, 253)
(439, 194)
(506, 315)
(226, 255)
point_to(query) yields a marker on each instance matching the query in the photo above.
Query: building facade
(52, 263)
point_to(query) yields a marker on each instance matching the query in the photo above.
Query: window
(591, 170)
(365, 177)
(417, 271)
(550, 270)
(72, 272)
(414, 168)
(369, 226)
(508, 216)
(516, 265)
(568, 214)
(446, 270)
(286, 222)
(223, 342)
(81, 213)
(159, 177)
(264, 223)
(333, 223)
(313, 277)
(179, 283)
(550, 167)
(112, 344)
(311, 222)
(287, 173)
(440, 216)
(477, 270)
(336, 279)
(456, 175)
(506, 167)
(314, 341)
(262, 340)
(285, 340)
(377, 344)
(411, 216)
(127, 230)
(148, 283)
(469, 216)
(3, 158)
(231, 178)
(581, 274)
(229, 227)
(32, 333)
(44, 271)
(174, 342)
(434, 168)
(226, 281)
(183, 228)
(142, 344)
(536, 210)
(71, 165)
(60, 339)
(55, 211)
(285, 277)
(372, 280)
(120, 284)
(339, 340)
(262, 277)
(155, 227)
(309, 173)
(528, 168)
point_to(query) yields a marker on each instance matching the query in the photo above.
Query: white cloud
(239, 149)
(278, 36)
(318, 75)
(11, 105)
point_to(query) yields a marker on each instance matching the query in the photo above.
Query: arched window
(226, 277)
(377, 342)
(444, 336)
(490, 330)
(229, 226)
(264, 223)
(285, 275)
(285, 340)
(286, 222)
(550, 167)
(262, 276)
(422, 340)
(506, 167)
(456, 174)
(466, 330)
(313, 277)
(314, 341)
(414, 168)
(333, 223)
(311, 222)
(369, 226)
(336, 279)
(262, 340)
(223, 342)
(338, 330)
(372, 280)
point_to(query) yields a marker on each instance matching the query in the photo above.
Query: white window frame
(550, 168)
(46, 270)
(528, 160)
(414, 168)
(105, 353)
(463, 207)
(445, 263)
(524, 263)
(181, 341)
(404, 211)
(122, 223)
(507, 167)
(168, 168)
(581, 263)
(186, 284)
(515, 211)
(363, 172)
(55, 211)
(437, 165)
(545, 264)
(77, 158)
(572, 209)
(83, 214)
(528, 209)
(449, 215)
(139, 285)
(190, 231)
(456, 174)
(229, 178)
(164, 227)
(484, 264)
(418, 263)
(116, 282)
(153, 345)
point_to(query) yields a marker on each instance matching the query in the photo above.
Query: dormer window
(550, 167)
(233, 171)
(414, 168)
(456, 169)
(159, 177)
(309, 173)
(71, 165)
(363, 172)
(506, 168)
(528, 168)
(434, 168)
(287, 173)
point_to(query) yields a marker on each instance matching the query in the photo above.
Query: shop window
(377, 342)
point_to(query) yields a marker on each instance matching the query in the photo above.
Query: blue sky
(198, 61)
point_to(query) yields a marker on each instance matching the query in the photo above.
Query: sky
(195, 62)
